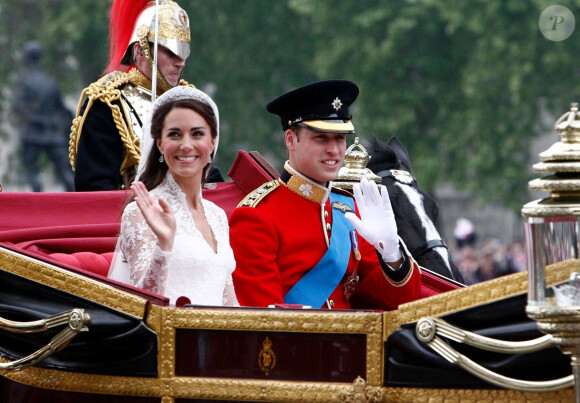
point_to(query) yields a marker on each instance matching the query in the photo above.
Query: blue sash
(316, 286)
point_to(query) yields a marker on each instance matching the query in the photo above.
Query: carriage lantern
(355, 167)
(552, 233)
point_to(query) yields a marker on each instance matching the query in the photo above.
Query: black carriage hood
(412, 363)
(116, 343)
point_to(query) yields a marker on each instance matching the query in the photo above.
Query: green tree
(245, 53)
(461, 84)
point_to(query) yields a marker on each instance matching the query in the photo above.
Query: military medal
(354, 243)
(352, 280)
(350, 284)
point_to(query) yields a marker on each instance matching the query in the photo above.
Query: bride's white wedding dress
(192, 269)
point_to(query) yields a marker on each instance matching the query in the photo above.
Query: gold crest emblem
(266, 357)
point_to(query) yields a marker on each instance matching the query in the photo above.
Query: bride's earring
(161, 159)
(209, 160)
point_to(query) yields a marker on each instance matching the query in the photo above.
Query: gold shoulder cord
(106, 90)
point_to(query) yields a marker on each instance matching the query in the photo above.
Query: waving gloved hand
(377, 223)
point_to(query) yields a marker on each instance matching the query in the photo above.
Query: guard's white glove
(377, 223)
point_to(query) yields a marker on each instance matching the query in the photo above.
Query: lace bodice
(191, 268)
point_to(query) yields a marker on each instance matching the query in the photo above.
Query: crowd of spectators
(481, 261)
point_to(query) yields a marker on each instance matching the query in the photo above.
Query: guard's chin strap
(161, 81)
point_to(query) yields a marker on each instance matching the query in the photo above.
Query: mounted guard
(104, 146)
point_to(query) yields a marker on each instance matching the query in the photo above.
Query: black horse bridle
(406, 178)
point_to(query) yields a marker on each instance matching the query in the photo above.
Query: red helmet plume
(124, 15)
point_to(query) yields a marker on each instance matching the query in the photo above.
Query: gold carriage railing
(77, 320)
(428, 329)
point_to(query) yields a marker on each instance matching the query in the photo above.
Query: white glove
(377, 223)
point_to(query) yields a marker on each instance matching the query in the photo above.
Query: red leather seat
(97, 263)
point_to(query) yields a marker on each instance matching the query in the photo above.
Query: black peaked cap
(327, 101)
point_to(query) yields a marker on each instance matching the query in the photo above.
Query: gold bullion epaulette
(107, 90)
(113, 80)
(255, 197)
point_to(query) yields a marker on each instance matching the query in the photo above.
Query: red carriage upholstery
(97, 263)
(433, 284)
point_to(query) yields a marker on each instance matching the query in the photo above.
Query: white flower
(306, 189)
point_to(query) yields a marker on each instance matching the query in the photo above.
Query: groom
(298, 240)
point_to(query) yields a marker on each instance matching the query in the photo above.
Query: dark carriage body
(54, 252)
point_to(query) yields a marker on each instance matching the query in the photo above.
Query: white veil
(119, 269)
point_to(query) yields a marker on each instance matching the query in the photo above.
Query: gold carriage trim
(252, 390)
(62, 279)
(377, 326)
(476, 294)
(255, 197)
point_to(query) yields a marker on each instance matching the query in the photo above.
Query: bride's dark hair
(155, 171)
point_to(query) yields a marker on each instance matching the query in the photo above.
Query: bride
(172, 241)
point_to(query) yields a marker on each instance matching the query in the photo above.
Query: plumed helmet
(134, 21)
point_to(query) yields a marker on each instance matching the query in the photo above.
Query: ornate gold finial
(561, 163)
(355, 167)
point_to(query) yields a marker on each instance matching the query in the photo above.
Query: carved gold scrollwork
(362, 393)
(267, 357)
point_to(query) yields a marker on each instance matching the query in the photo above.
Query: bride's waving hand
(157, 214)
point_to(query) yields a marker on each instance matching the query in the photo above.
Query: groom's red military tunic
(281, 231)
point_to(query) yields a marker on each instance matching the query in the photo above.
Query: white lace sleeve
(148, 264)
(230, 298)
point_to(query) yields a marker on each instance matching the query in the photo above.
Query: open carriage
(67, 333)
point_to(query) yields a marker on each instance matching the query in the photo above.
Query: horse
(415, 211)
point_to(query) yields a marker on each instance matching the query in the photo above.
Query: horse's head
(415, 211)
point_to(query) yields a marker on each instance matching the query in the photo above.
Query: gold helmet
(173, 30)
(174, 33)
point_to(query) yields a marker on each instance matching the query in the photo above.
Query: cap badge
(337, 103)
